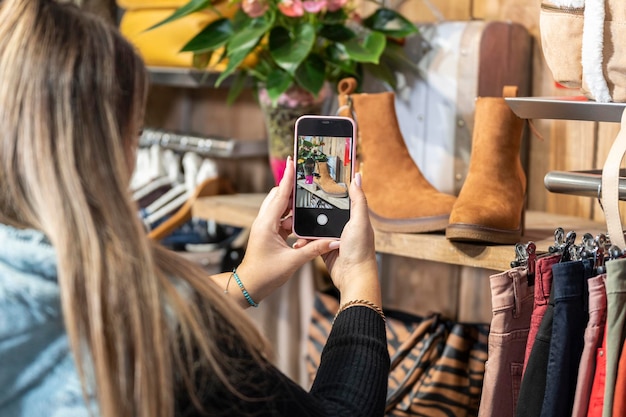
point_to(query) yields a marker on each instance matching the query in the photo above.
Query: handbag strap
(610, 187)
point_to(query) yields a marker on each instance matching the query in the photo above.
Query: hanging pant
(596, 399)
(571, 315)
(593, 341)
(615, 319)
(543, 284)
(534, 381)
(512, 305)
(619, 399)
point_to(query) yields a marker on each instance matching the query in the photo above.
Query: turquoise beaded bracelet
(243, 289)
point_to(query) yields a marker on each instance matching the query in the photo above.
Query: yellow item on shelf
(161, 46)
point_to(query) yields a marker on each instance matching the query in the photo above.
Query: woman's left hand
(269, 261)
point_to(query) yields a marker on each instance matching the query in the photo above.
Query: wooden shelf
(342, 203)
(240, 210)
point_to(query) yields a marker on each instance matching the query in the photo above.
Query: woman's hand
(269, 261)
(353, 267)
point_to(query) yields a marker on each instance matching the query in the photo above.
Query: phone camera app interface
(323, 172)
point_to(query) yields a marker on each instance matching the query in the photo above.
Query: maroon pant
(543, 284)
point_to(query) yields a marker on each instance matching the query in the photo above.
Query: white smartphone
(324, 152)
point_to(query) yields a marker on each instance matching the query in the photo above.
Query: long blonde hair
(71, 103)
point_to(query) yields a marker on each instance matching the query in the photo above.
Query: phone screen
(324, 159)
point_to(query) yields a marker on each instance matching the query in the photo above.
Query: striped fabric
(437, 365)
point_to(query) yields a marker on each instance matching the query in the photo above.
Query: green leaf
(247, 38)
(368, 51)
(391, 23)
(336, 33)
(241, 45)
(234, 61)
(201, 60)
(185, 10)
(237, 86)
(277, 83)
(311, 74)
(382, 72)
(337, 17)
(396, 56)
(289, 49)
(215, 35)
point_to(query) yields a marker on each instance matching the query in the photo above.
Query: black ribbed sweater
(351, 379)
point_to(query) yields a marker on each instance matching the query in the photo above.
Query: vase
(309, 169)
(280, 120)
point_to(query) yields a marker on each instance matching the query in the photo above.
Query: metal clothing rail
(206, 146)
(581, 183)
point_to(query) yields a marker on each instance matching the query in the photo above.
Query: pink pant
(593, 341)
(512, 305)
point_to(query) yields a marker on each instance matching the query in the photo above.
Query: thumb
(314, 248)
(357, 198)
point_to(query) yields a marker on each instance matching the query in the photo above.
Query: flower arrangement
(311, 149)
(282, 44)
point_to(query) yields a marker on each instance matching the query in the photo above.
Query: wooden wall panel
(420, 287)
(474, 295)
(435, 10)
(424, 10)
(572, 146)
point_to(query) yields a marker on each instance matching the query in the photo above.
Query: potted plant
(292, 50)
(309, 154)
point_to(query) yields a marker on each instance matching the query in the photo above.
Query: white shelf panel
(566, 108)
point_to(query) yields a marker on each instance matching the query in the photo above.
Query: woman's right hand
(353, 266)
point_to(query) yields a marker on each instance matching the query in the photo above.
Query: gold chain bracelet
(364, 303)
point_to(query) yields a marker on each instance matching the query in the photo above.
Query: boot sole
(338, 195)
(460, 232)
(411, 225)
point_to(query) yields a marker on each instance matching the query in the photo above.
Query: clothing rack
(206, 146)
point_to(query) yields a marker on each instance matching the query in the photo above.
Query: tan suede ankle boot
(327, 184)
(490, 206)
(399, 197)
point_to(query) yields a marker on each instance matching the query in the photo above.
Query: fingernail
(295, 245)
(357, 179)
(333, 245)
(288, 159)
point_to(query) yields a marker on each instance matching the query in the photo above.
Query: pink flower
(334, 5)
(314, 6)
(254, 8)
(291, 8)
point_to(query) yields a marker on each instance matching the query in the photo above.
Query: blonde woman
(97, 320)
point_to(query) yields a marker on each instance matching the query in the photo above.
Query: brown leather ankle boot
(490, 206)
(327, 184)
(400, 198)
